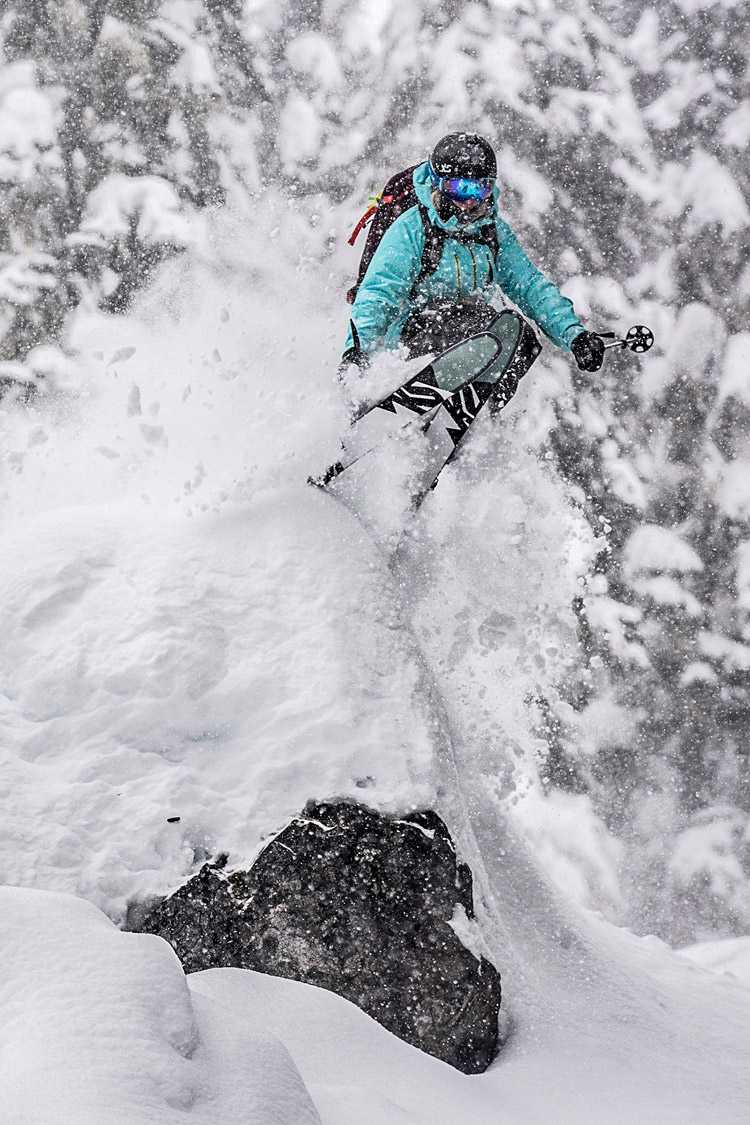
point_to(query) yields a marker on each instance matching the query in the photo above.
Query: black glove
(354, 355)
(588, 351)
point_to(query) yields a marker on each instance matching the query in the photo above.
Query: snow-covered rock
(359, 903)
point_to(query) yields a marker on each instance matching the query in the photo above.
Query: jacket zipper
(474, 264)
(458, 273)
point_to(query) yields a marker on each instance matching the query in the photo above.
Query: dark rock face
(358, 903)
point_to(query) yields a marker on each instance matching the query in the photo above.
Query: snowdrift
(98, 1025)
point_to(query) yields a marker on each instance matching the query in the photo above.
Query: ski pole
(638, 338)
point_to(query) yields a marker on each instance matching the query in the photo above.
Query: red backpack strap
(362, 224)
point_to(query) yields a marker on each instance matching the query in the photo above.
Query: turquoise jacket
(385, 301)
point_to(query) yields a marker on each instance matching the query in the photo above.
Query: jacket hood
(423, 188)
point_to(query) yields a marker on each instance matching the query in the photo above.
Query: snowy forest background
(622, 133)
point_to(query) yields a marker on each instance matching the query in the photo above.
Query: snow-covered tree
(104, 151)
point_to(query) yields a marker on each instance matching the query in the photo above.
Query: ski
(421, 395)
(439, 404)
(521, 348)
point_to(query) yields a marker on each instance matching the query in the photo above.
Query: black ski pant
(445, 322)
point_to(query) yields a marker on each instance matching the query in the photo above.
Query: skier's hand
(356, 356)
(588, 351)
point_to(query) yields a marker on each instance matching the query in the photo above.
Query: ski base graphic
(405, 440)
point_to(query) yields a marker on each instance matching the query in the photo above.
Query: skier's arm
(388, 283)
(535, 294)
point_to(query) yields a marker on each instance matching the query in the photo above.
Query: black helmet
(464, 154)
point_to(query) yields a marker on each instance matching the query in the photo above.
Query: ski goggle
(462, 189)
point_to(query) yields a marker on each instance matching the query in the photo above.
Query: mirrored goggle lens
(463, 190)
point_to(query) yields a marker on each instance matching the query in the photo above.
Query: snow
(652, 547)
(533, 188)
(736, 363)
(703, 854)
(150, 203)
(195, 67)
(101, 1025)
(666, 112)
(624, 479)
(98, 1025)
(733, 489)
(650, 1053)
(575, 848)
(742, 577)
(736, 128)
(190, 630)
(692, 6)
(189, 678)
(616, 622)
(704, 192)
(730, 957)
(27, 125)
(22, 276)
(299, 131)
(733, 653)
(195, 643)
(665, 590)
(313, 54)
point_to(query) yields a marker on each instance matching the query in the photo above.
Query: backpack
(398, 196)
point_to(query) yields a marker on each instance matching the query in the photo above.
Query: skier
(436, 267)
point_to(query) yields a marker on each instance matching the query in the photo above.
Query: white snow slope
(190, 631)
